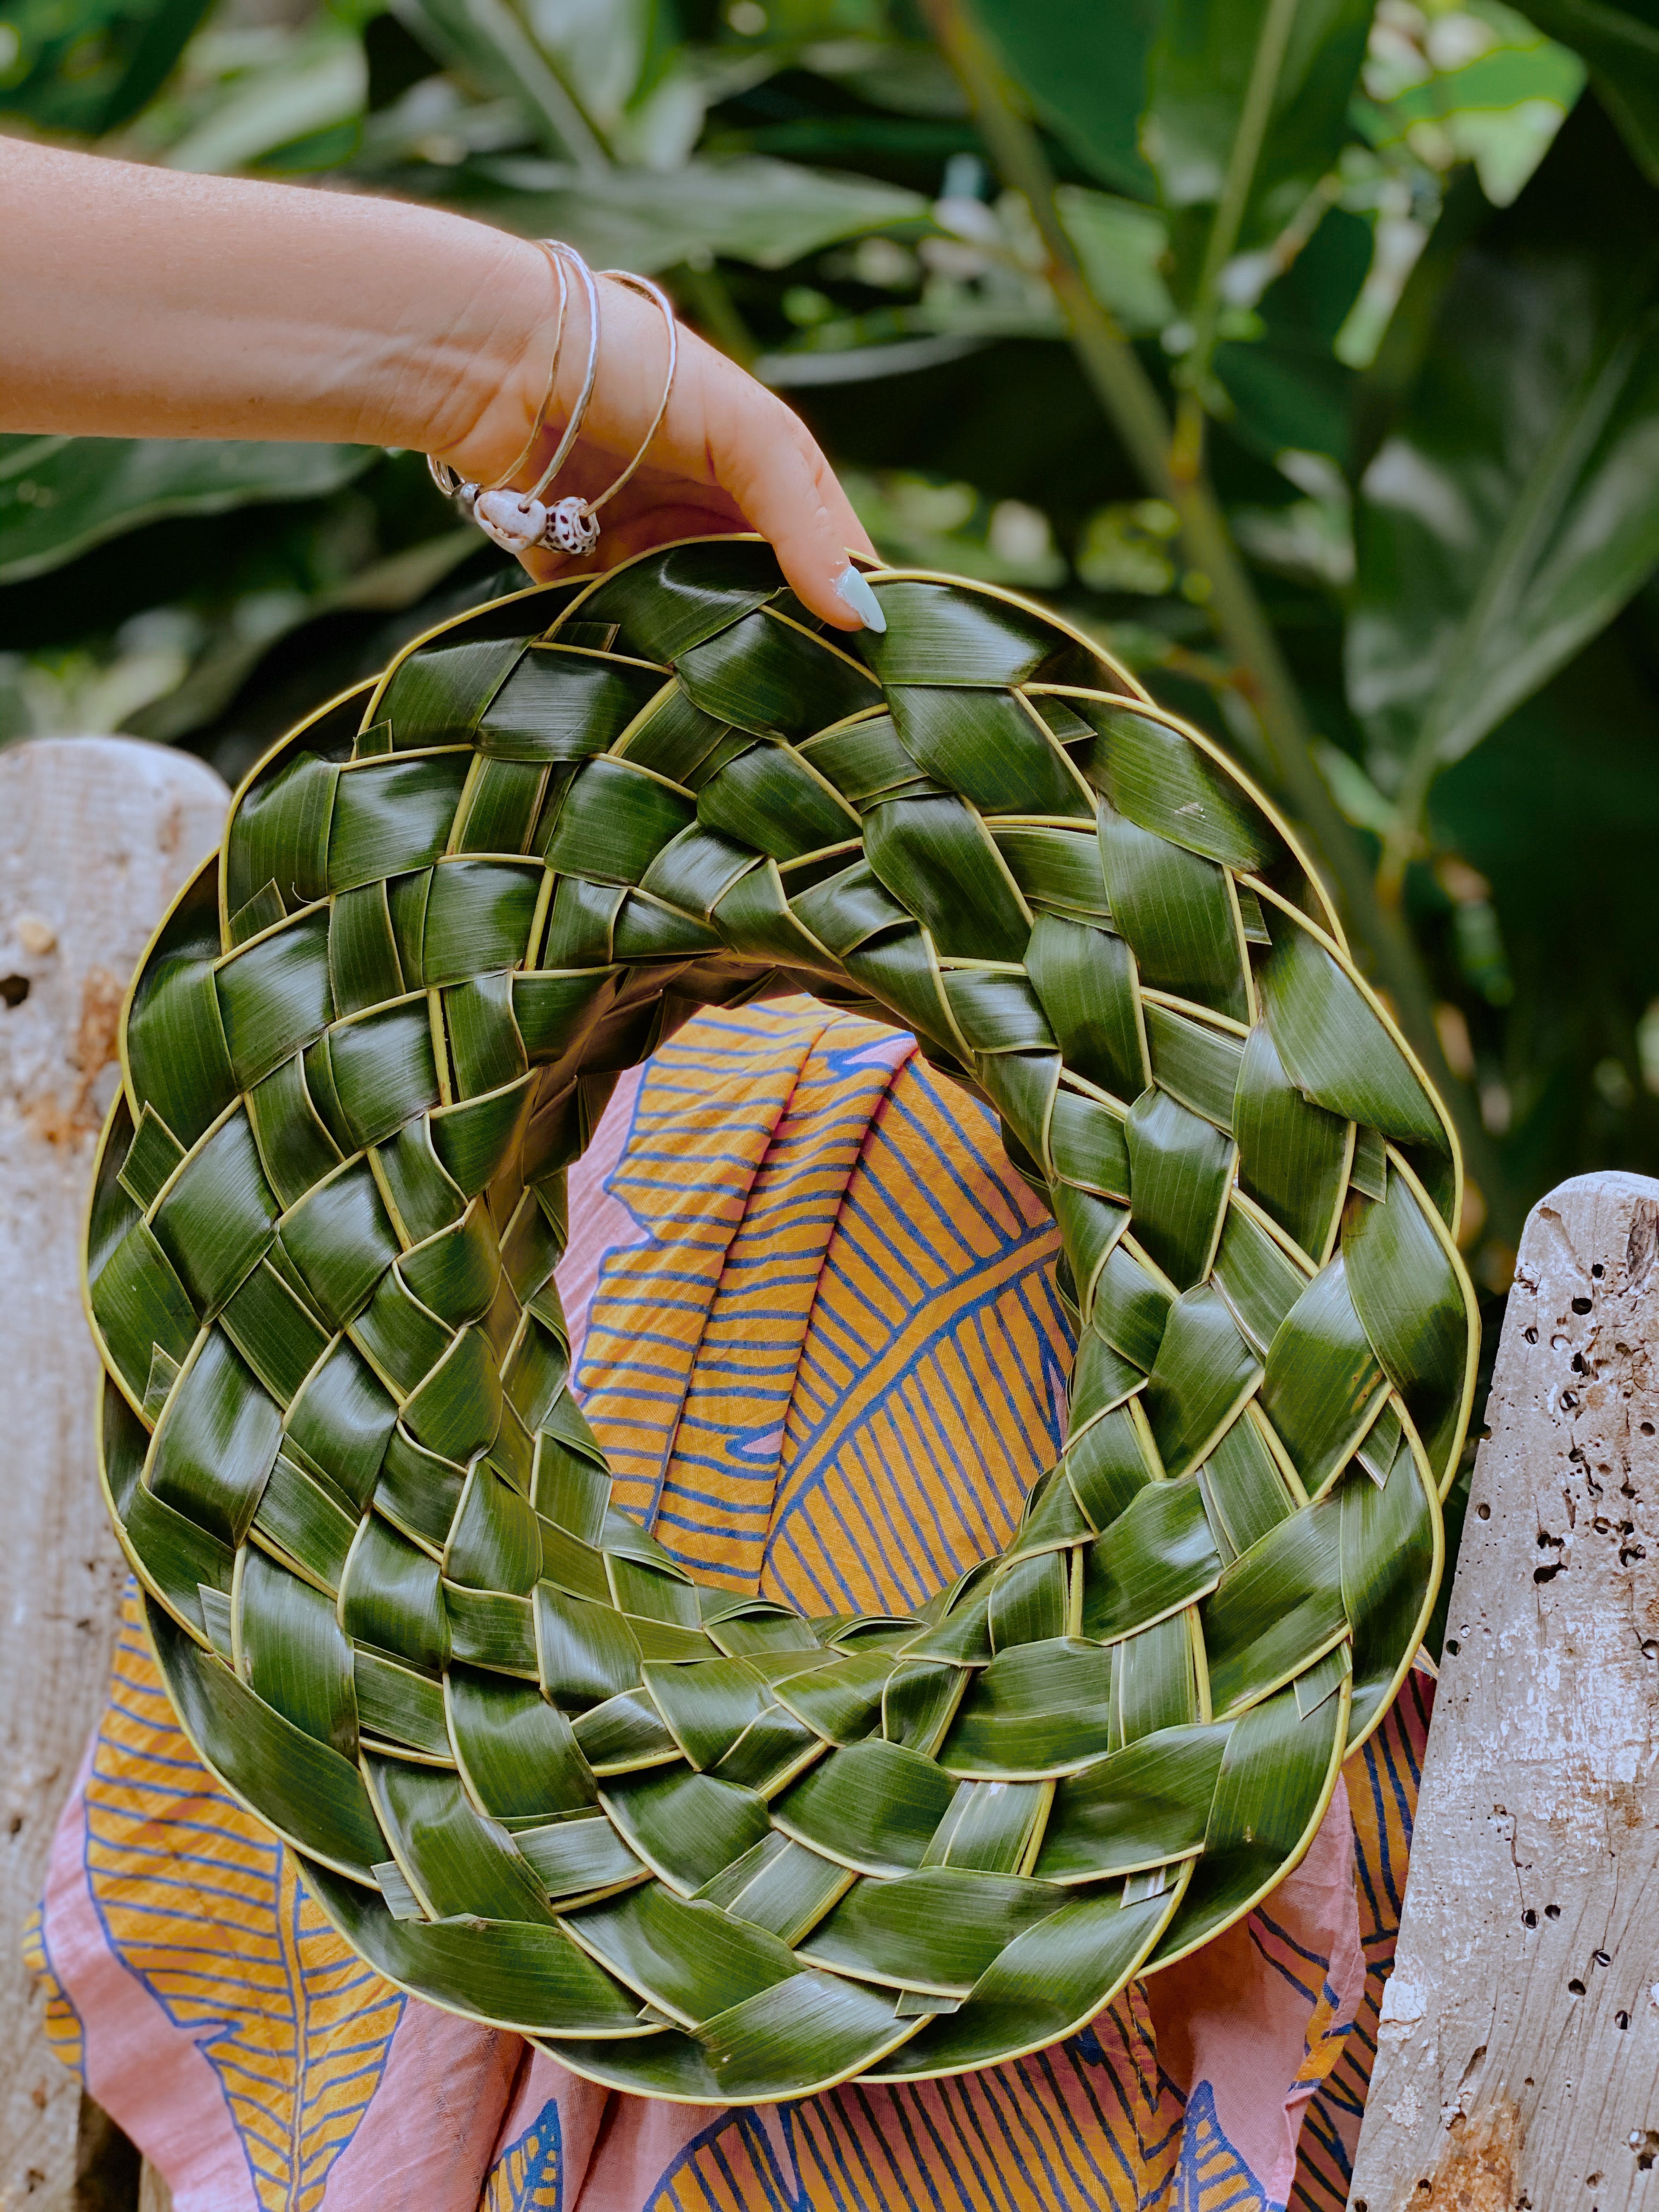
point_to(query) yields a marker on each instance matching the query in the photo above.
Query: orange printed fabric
(815, 1325)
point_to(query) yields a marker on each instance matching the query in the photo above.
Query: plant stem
(1253, 120)
(1132, 404)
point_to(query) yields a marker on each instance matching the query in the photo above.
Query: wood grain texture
(96, 834)
(1518, 2051)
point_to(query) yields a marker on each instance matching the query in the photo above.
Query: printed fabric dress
(815, 1325)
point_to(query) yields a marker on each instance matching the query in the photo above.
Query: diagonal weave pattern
(699, 1847)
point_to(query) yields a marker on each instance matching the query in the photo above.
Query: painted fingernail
(852, 588)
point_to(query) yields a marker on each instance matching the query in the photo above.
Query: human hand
(729, 454)
(141, 303)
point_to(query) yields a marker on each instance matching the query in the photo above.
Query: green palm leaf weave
(695, 1844)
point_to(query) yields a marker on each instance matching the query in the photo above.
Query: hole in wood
(1546, 1574)
(1483, 1513)
(1576, 1986)
(1531, 1335)
(14, 989)
(1551, 1912)
(1529, 1919)
(1581, 1305)
(1647, 1428)
(1621, 2019)
(1602, 1958)
(1598, 1270)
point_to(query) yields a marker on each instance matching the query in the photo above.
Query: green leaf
(61, 496)
(1180, 1169)
(1159, 779)
(1256, 1277)
(1495, 98)
(1160, 1554)
(1047, 1982)
(1123, 249)
(686, 1958)
(1179, 912)
(454, 1860)
(294, 1656)
(489, 43)
(990, 1826)
(1204, 1372)
(578, 1854)
(1278, 1606)
(1406, 1293)
(812, 2029)
(686, 1827)
(1335, 1046)
(1389, 1540)
(937, 1930)
(740, 207)
(1201, 66)
(1290, 391)
(1293, 1156)
(304, 1787)
(533, 1979)
(1621, 46)
(1084, 69)
(1511, 513)
(780, 1886)
(1276, 1778)
(319, 82)
(874, 1807)
(1322, 1379)
(1145, 1806)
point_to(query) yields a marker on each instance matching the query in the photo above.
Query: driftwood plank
(96, 834)
(1518, 2058)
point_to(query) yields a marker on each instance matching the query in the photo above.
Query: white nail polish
(852, 588)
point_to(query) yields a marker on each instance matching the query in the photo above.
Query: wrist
(480, 372)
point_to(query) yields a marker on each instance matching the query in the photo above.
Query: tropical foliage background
(1303, 350)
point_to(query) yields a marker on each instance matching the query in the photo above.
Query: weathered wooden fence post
(96, 834)
(1518, 2058)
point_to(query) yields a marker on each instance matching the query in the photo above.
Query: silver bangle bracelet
(517, 521)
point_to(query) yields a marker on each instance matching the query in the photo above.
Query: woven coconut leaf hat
(694, 1844)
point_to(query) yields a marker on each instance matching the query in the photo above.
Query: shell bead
(514, 522)
(572, 527)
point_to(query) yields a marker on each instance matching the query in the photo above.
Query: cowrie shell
(514, 522)
(572, 528)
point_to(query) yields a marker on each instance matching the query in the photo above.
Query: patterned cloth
(815, 1325)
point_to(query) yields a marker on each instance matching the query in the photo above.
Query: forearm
(137, 302)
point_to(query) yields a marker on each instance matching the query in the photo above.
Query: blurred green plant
(1301, 349)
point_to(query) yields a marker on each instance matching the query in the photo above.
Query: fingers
(763, 455)
(723, 433)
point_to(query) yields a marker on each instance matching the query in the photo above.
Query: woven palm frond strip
(696, 1846)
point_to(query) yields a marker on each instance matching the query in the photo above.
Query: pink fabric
(169, 1919)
